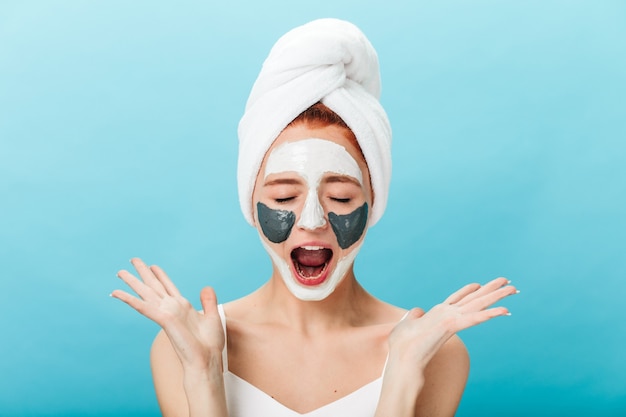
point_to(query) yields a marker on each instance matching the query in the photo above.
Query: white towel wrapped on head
(327, 60)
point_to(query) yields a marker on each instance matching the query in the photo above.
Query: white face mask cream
(311, 159)
(318, 292)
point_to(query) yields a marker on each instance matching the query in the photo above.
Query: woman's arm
(176, 390)
(428, 365)
(190, 346)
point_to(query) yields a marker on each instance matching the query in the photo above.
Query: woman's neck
(342, 308)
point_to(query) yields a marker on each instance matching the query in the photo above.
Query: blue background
(118, 139)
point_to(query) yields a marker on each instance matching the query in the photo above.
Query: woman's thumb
(208, 299)
(416, 313)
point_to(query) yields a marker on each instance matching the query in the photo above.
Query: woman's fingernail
(507, 314)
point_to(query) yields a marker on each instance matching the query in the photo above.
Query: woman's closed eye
(283, 200)
(341, 200)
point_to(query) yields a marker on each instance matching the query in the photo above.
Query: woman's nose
(312, 216)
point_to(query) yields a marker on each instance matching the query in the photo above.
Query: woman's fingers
(478, 317)
(462, 293)
(489, 287)
(148, 276)
(471, 304)
(154, 288)
(165, 281)
(132, 301)
(144, 291)
(488, 299)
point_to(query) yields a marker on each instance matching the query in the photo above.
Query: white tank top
(246, 400)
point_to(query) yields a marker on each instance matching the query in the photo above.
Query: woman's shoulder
(386, 312)
(445, 376)
(451, 362)
(167, 374)
(162, 354)
(454, 350)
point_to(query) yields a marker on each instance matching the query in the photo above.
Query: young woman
(314, 167)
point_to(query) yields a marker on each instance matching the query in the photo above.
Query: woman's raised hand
(420, 335)
(196, 337)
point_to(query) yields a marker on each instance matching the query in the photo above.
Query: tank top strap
(220, 310)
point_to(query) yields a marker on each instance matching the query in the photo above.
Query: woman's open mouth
(310, 264)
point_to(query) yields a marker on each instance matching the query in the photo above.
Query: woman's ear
(254, 213)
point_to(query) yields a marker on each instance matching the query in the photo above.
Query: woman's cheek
(349, 228)
(276, 224)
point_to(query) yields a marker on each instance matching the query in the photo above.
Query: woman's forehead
(334, 133)
(312, 158)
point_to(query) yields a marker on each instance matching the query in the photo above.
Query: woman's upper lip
(313, 245)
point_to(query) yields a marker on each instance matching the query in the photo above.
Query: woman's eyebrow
(284, 181)
(341, 178)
